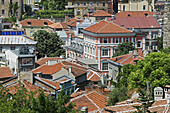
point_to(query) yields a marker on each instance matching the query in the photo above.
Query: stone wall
(166, 32)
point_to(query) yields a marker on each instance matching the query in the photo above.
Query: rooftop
(93, 76)
(135, 14)
(5, 72)
(42, 61)
(100, 13)
(106, 27)
(137, 22)
(36, 22)
(59, 25)
(73, 22)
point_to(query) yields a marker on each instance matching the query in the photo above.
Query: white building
(158, 93)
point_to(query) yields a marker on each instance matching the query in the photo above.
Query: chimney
(39, 74)
(70, 69)
(84, 109)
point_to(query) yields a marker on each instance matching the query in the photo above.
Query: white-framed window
(12, 47)
(138, 43)
(104, 66)
(154, 35)
(126, 39)
(84, 3)
(105, 40)
(105, 52)
(144, 7)
(116, 40)
(91, 4)
(78, 3)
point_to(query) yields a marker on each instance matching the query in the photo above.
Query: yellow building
(135, 5)
(33, 25)
(81, 7)
(4, 8)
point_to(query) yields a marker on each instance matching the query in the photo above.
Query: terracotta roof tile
(55, 84)
(93, 100)
(135, 13)
(77, 94)
(42, 61)
(49, 69)
(137, 22)
(5, 72)
(59, 25)
(93, 76)
(106, 27)
(100, 13)
(36, 22)
(73, 22)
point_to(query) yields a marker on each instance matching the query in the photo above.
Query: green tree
(48, 44)
(28, 9)
(124, 48)
(166, 50)
(12, 11)
(117, 95)
(155, 69)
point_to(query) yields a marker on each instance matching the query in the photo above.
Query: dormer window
(45, 23)
(122, 25)
(129, 15)
(29, 23)
(146, 14)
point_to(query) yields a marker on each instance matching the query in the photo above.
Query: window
(45, 23)
(104, 4)
(116, 40)
(10, 1)
(78, 11)
(72, 3)
(0, 48)
(85, 3)
(78, 3)
(138, 44)
(105, 40)
(154, 35)
(29, 23)
(105, 66)
(27, 61)
(123, 7)
(3, 12)
(16, 14)
(127, 40)
(91, 4)
(2, 2)
(97, 3)
(144, 7)
(12, 47)
(31, 32)
(105, 52)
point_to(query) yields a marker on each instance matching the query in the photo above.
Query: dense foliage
(26, 102)
(155, 69)
(160, 43)
(124, 48)
(48, 44)
(117, 95)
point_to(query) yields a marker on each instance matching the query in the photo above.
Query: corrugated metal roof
(16, 40)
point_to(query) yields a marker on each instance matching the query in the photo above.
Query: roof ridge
(92, 101)
(125, 59)
(103, 27)
(90, 76)
(120, 26)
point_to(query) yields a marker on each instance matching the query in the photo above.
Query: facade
(81, 7)
(33, 25)
(20, 60)
(144, 25)
(4, 7)
(158, 93)
(135, 5)
(166, 33)
(102, 39)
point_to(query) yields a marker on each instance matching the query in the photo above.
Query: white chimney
(84, 109)
(70, 69)
(39, 74)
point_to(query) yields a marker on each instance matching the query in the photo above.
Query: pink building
(101, 41)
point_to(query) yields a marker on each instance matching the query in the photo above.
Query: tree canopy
(124, 48)
(26, 102)
(48, 44)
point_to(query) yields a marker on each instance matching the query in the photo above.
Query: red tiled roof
(73, 65)
(73, 22)
(100, 13)
(59, 25)
(49, 69)
(137, 22)
(5, 72)
(55, 84)
(106, 27)
(93, 100)
(167, 86)
(42, 61)
(126, 59)
(77, 94)
(93, 76)
(35, 22)
(134, 13)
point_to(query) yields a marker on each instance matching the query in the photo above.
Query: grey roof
(17, 52)
(88, 61)
(62, 34)
(6, 39)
